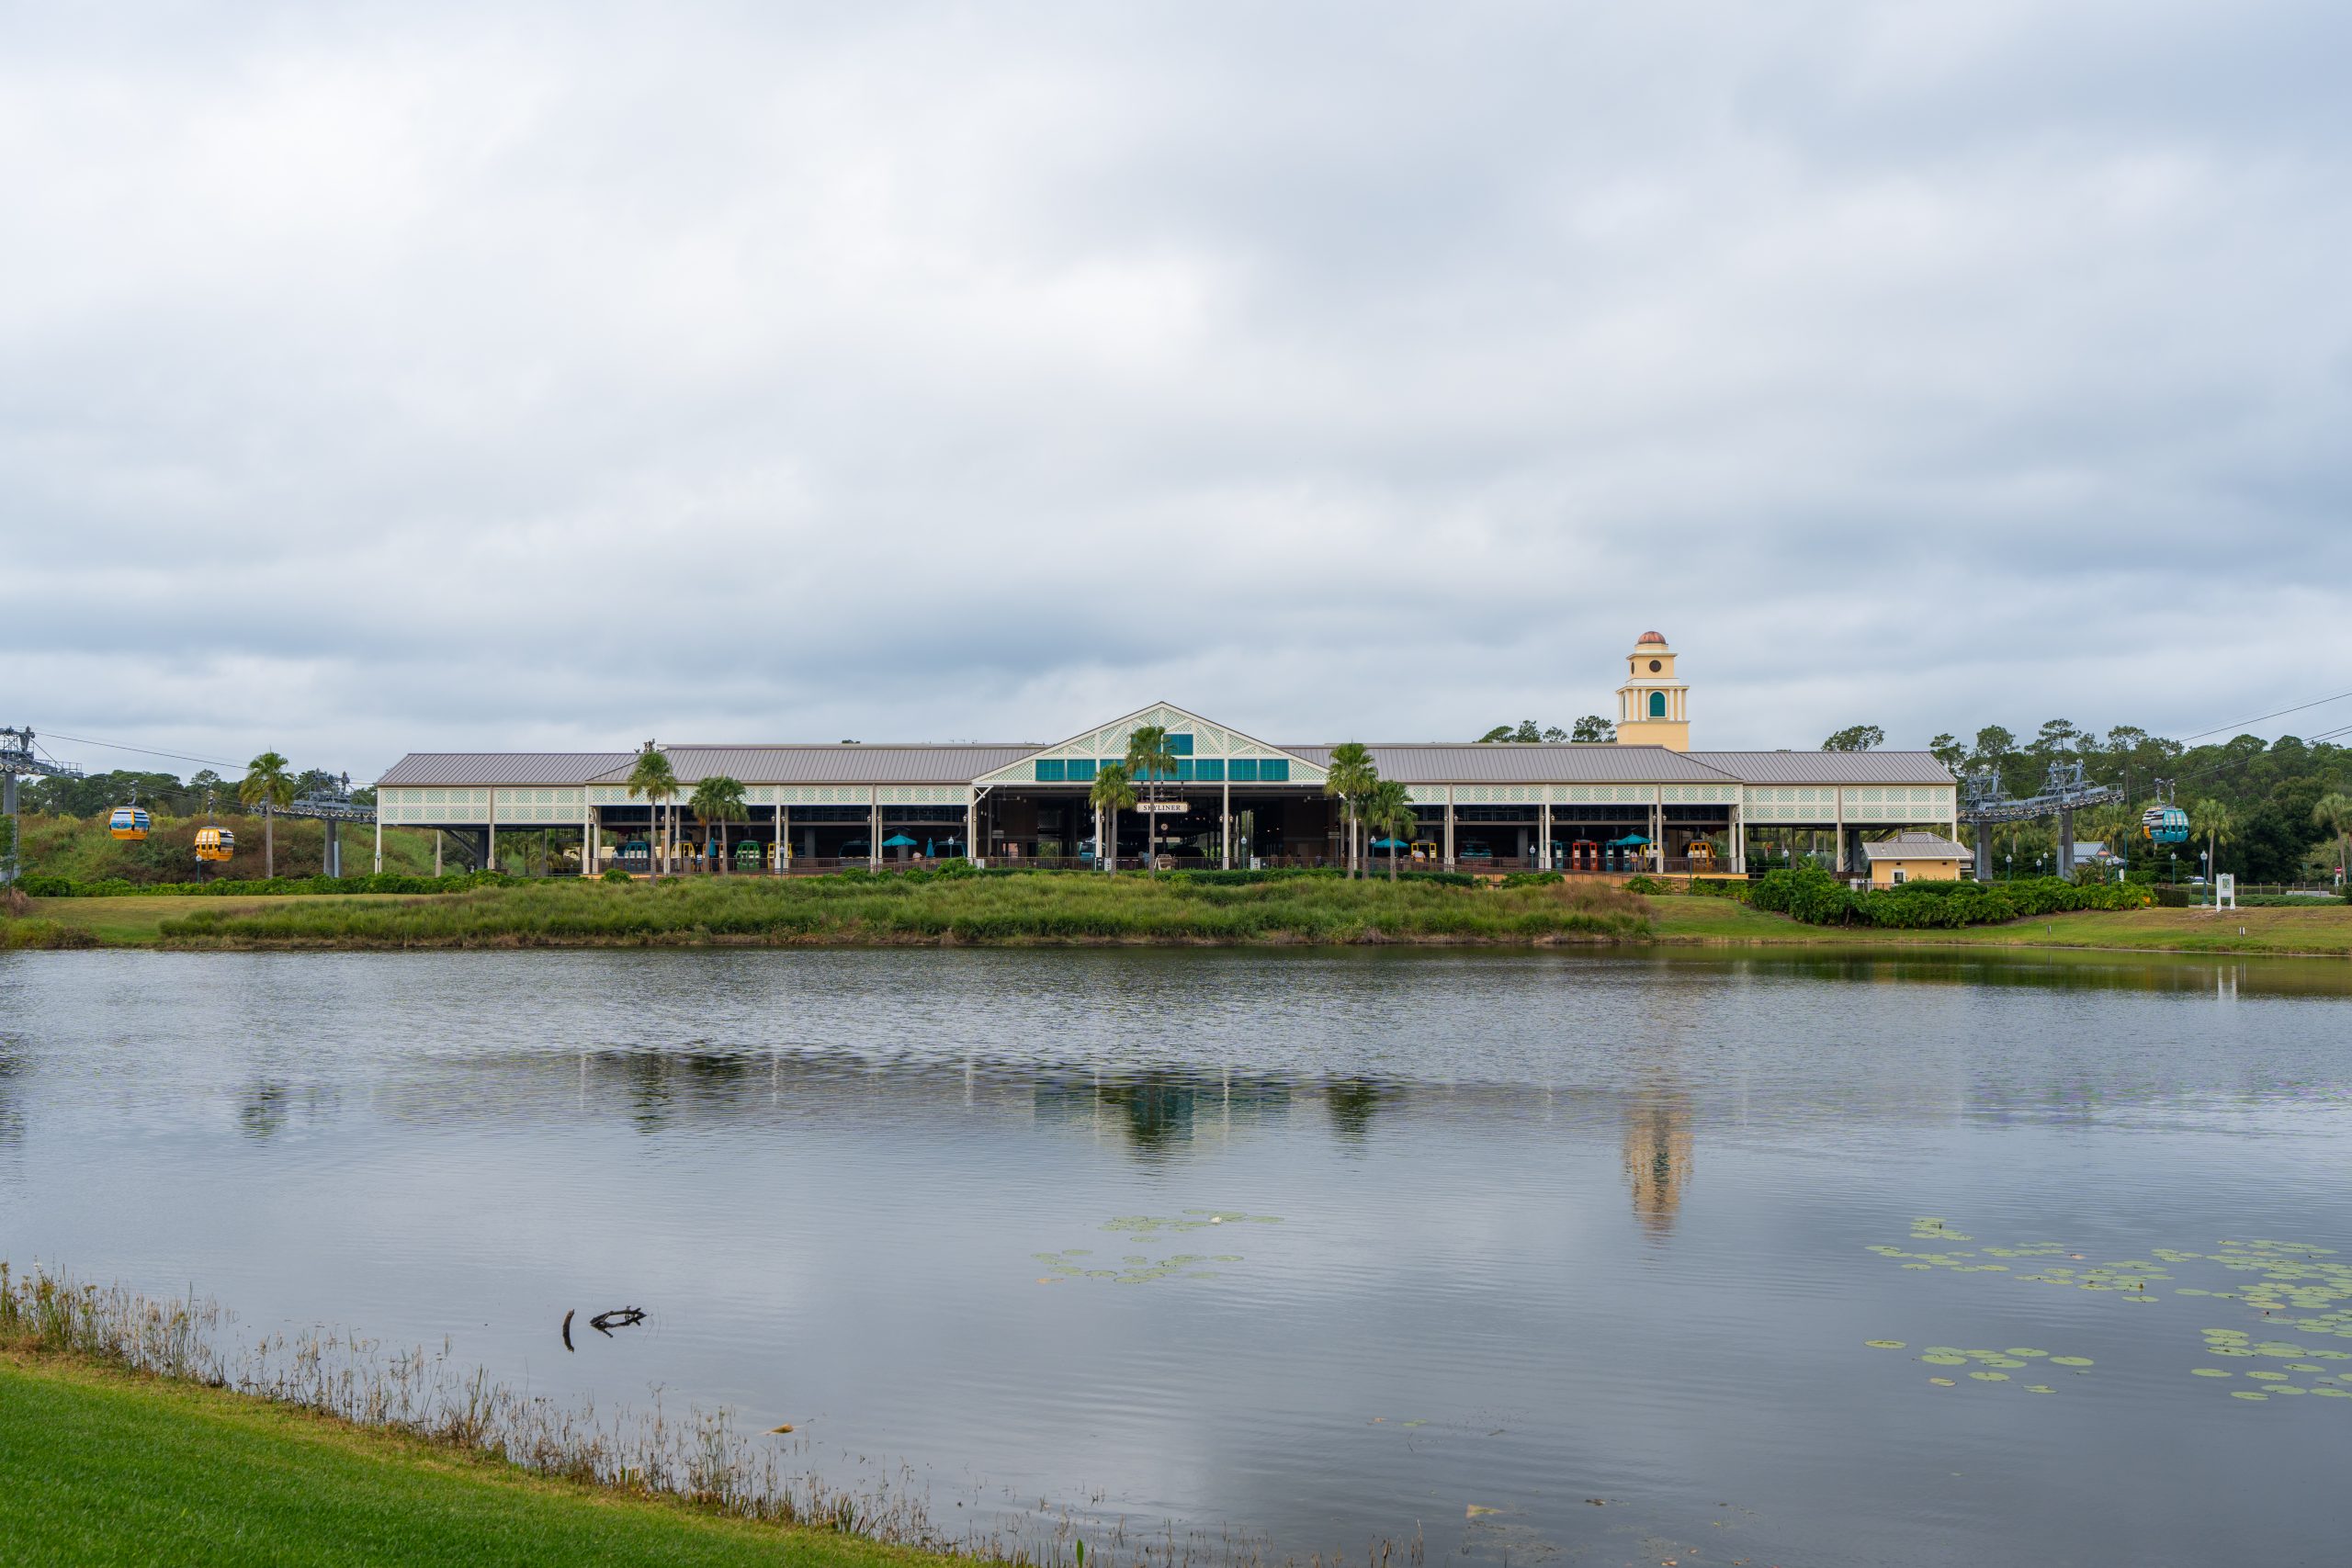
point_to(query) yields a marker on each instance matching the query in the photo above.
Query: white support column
(971, 823)
(587, 835)
(490, 855)
(1739, 835)
(1657, 829)
(874, 828)
(1225, 818)
(1449, 826)
(379, 838)
(1840, 858)
(1544, 849)
(438, 839)
(783, 834)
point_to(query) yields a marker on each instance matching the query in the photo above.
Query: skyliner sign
(1164, 807)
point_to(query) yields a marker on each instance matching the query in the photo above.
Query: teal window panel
(1658, 704)
(1052, 771)
(1245, 770)
(1081, 769)
(1181, 745)
(1209, 770)
(1273, 769)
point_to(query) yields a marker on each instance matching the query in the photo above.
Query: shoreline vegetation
(127, 1435)
(1043, 910)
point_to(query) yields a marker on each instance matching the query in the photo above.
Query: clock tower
(1652, 706)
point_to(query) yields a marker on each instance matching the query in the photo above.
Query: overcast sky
(379, 378)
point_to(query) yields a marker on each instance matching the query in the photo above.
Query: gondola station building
(1644, 802)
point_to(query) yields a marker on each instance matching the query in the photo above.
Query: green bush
(1638, 883)
(1737, 890)
(1530, 879)
(615, 873)
(1818, 898)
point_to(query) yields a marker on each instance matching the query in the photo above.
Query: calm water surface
(1526, 1231)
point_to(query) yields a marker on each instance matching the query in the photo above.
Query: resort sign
(1165, 807)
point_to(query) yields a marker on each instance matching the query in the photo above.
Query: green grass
(2322, 929)
(1044, 908)
(1037, 908)
(101, 1467)
(138, 922)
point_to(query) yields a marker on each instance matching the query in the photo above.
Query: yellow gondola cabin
(215, 843)
(129, 822)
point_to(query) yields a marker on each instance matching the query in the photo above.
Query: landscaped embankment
(941, 909)
(126, 1438)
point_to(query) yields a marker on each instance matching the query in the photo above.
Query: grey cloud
(393, 377)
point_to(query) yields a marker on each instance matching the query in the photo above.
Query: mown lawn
(2325, 930)
(101, 1467)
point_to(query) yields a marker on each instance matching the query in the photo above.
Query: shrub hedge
(1818, 898)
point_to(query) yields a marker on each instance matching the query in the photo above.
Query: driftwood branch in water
(604, 1323)
(567, 1328)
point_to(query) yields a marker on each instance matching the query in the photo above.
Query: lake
(1527, 1257)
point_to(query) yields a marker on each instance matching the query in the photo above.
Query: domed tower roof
(1649, 638)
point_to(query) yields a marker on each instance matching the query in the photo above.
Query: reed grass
(1025, 909)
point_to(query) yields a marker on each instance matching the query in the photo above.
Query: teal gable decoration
(1206, 753)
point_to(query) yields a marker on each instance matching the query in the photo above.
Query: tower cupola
(1652, 707)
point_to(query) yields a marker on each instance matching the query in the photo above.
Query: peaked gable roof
(1109, 741)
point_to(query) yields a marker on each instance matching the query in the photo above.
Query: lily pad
(1947, 1383)
(1990, 1377)
(1944, 1361)
(2247, 1393)
(2071, 1361)
(2208, 1373)
(1897, 1345)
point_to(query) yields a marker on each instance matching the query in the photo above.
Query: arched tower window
(1658, 704)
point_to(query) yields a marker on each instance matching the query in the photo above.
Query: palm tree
(719, 799)
(2213, 822)
(2334, 812)
(1111, 793)
(1351, 775)
(268, 785)
(1149, 758)
(1388, 811)
(653, 778)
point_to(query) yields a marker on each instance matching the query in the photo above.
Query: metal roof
(503, 767)
(1409, 762)
(1828, 767)
(851, 763)
(1915, 846)
(1525, 763)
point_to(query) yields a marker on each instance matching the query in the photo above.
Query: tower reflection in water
(1657, 1155)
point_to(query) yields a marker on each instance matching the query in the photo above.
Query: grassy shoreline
(1073, 911)
(103, 1464)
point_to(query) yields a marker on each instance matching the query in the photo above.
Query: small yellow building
(1914, 857)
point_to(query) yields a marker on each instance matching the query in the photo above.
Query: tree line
(2259, 808)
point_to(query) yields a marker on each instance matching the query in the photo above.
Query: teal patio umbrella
(898, 842)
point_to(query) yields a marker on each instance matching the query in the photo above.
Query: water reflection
(1481, 1270)
(1659, 1145)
